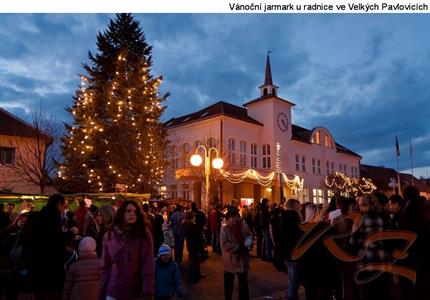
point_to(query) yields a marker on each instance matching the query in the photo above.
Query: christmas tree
(116, 137)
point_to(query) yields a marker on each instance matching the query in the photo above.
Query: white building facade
(246, 138)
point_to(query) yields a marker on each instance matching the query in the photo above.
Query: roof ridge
(17, 118)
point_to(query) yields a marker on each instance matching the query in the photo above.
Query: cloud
(364, 77)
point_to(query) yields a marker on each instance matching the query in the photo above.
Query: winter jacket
(80, 214)
(90, 226)
(127, 266)
(82, 278)
(235, 259)
(290, 232)
(176, 218)
(192, 235)
(44, 250)
(167, 279)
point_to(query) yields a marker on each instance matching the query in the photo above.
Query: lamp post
(196, 160)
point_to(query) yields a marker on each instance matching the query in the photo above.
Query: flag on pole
(410, 148)
(397, 147)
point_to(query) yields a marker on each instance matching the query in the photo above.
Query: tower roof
(268, 77)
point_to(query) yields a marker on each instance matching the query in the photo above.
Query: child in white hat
(82, 279)
(167, 276)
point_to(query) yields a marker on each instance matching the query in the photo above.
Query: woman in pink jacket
(127, 261)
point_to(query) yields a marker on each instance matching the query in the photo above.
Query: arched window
(231, 151)
(242, 154)
(176, 157)
(186, 149)
(317, 137)
(266, 156)
(254, 155)
(211, 142)
(265, 91)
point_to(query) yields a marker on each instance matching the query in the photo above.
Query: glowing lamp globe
(196, 160)
(217, 163)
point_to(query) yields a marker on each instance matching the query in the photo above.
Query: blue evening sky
(364, 77)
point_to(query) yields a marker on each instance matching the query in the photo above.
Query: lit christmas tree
(116, 136)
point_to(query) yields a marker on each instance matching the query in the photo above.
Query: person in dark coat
(200, 223)
(11, 264)
(415, 217)
(192, 236)
(45, 250)
(290, 233)
(158, 229)
(266, 245)
(4, 217)
(178, 232)
(278, 239)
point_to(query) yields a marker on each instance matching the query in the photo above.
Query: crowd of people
(133, 251)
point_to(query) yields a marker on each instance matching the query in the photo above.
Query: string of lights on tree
(355, 186)
(117, 136)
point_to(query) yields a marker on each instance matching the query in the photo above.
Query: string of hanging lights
(344, 183)
(264, 180)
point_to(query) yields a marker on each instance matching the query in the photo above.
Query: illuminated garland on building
(236, 178)
(346, 184)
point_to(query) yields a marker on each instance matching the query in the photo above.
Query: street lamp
(196, 160)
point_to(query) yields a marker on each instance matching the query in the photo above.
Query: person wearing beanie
(83, 277)
(167, 275)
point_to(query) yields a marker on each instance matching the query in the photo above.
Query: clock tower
(274, 112)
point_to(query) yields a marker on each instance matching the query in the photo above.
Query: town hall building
(260, 136)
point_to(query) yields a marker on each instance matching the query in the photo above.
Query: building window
(186, 194)
(327, 166)
(7, 155)
(305, 195)
(186, 154)
(313, 166)
(317, 137)
(266, 156)
(300, 163)
(319, 166)
(242, 158)
(317, 196)
(231, 151)
(254, 156)
(211, 142)
(176, 157)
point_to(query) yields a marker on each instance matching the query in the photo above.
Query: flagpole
(397, 159)
(412, 165)
(398, 177)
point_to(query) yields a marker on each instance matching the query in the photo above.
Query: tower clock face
(282, 121)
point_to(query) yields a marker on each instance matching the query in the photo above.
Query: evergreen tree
(116, 136)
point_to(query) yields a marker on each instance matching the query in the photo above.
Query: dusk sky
(363, 77)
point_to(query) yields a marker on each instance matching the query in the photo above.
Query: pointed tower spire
(268, 78)
(268, 88)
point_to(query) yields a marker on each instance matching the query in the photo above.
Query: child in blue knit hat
(167, 276)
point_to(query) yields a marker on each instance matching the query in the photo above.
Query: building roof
(223, 108)
(217, 109)
(381, 176)
(304, 135)
(13, 126)
(264, 97)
